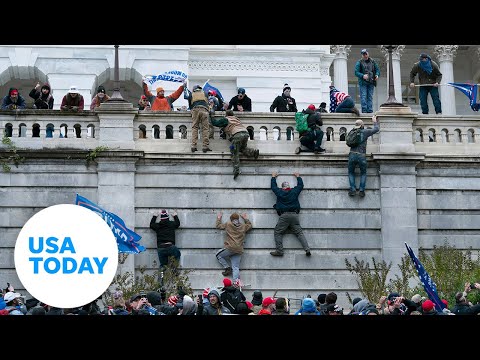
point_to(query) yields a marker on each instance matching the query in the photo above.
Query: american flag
(427, 282)
(333, 99)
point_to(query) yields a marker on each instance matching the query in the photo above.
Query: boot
(276, 253)
(227, 271)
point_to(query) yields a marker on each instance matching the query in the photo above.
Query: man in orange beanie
(162, 102)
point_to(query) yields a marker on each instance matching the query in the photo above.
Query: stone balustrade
(270, 132)
(421, 189)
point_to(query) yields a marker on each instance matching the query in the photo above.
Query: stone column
(445, 55)
(116, 124)
(116, 193)
(340, 70)
(397, 77)
(398, 195)
(397, 160)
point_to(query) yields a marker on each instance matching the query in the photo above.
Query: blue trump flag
(428, 284)
(471, 91)
(127, 240)
(207, 87)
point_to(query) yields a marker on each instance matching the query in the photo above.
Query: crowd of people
(230, 300)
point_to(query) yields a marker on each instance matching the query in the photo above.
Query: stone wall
(418, 192)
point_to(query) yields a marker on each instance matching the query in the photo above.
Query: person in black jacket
(42, 96)
(241, 102)
(284, 102)
(312, 138)
(165, 230)
(287, 207)
(462, 305)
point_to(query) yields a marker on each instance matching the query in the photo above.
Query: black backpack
(231, 299)
(354, 137)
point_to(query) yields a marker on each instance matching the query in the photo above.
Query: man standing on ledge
(288, 207)
(429, 77)
(284, 102)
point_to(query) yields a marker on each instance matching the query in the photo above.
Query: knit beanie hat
(285, 87)
(257, 297)
(172, 300)
(101, 89)
(164, 215)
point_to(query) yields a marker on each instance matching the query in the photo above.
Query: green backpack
(301, 122)
(354, 137)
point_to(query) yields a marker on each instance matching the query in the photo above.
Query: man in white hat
(73, 100)
(13, 302)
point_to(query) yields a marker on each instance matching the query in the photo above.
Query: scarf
(236, 222)
(426, 66)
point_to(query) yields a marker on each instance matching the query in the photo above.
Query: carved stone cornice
(396, 53)
(213, 65)
(445, 52)
(340, 51)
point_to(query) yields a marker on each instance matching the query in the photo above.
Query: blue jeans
(355, 159)
(224, 254)
(165, 253)
(312, 140)
(424, 90)
(366, 97)
(345, 106)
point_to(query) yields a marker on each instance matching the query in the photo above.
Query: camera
(472, 286)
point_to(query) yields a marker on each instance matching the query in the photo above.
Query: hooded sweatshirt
(235, 234)
(42, 101)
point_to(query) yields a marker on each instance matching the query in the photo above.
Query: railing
(154, 131)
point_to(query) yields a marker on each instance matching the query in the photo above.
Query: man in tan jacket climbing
(233, 244)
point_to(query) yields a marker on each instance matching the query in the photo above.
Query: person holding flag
(160, 102)
(427, 282)
(429, 77)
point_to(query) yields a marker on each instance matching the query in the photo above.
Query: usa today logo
(66, 256)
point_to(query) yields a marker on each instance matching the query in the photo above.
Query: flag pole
(430, 85)
(205, 83)
(439, 84)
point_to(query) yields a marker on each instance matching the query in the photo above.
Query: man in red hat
(13, 100)
(311, 139)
